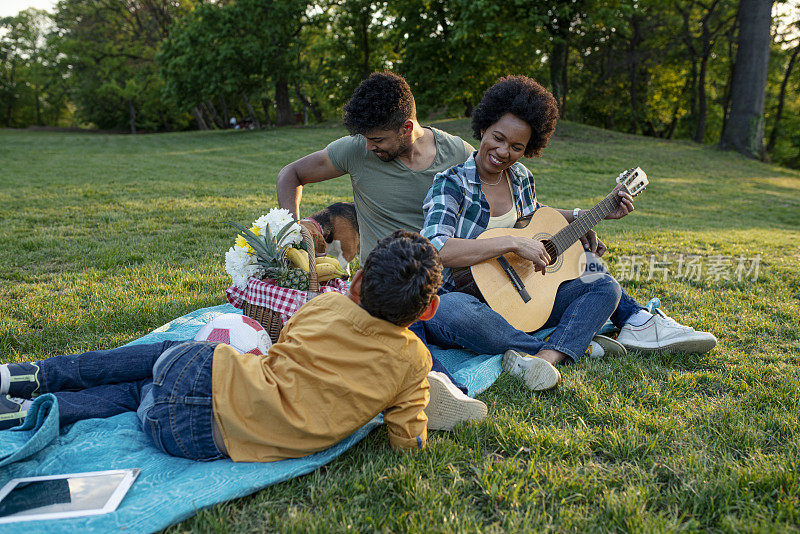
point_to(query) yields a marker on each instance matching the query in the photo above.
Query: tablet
(62, 496)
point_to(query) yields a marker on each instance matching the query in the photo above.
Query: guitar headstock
(634, 180)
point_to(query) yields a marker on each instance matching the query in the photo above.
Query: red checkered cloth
(280, 299)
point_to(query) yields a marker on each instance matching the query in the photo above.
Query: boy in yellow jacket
(341, 360)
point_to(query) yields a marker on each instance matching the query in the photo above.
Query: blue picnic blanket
(169, 489)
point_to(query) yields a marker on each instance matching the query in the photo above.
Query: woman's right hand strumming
(533, 250)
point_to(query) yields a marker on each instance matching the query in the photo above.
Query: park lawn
(106, 237)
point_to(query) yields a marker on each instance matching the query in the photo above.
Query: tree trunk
(38, 109)
(308, 104)
(693, 93)
(672, 126)
(212, 111)
(250, 110)
(773, 136)
(284, 108)
(744, 130)
(726, 101)
(365, 18)
(633, 71)
(132, 115)
(198, 116)
(558, 66)
(467, 108)
(702, 103)
(10, 107)
(225, 113)
(267, 106)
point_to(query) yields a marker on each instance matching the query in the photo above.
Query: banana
(326, 271)
(299, 258)
(329, 259)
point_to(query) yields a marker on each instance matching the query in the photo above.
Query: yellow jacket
(333, 369)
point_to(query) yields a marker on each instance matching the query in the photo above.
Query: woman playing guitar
(491, 189)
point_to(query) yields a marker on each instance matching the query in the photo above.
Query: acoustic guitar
(509, 283)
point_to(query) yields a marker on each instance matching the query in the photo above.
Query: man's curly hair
(401, 276)
(524, 98)
(381, 102)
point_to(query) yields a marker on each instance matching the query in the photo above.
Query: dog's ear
(320, 247)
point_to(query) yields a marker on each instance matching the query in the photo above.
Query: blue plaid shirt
(456, 207)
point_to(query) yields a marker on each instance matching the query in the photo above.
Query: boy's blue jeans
(173, 400)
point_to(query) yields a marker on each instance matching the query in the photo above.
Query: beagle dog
(335, 232)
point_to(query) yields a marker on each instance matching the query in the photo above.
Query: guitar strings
(572, 232)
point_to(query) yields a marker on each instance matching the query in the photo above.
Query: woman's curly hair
(381, 102)
(524, 98)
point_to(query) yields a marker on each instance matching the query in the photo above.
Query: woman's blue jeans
(580, 309)
(104, 383)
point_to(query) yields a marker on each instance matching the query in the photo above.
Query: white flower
(240, 265)
(277, 218)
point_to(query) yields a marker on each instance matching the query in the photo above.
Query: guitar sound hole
(551, 251)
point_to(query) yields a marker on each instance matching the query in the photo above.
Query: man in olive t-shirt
(390, 158)
(391, 161)
(388, 194)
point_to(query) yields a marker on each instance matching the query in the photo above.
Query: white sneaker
(538, 374)
(662, 333)
(449, 406)
(604, 346)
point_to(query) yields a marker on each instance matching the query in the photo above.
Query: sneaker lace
(670, 321)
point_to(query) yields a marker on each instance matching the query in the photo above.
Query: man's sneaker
(538, 374)
(449, 406)
(12, 412)
(662, 333)
(601, 346)
(20, 379)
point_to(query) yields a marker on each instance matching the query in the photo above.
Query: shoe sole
(445, 411)
(691, 346)
(611, 347)
(538, 374)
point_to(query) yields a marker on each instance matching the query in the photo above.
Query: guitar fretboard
(585, 221)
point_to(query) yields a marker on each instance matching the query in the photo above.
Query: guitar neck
(585, 222)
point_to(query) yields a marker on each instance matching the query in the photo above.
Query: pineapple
(272, 257)
(294, 279)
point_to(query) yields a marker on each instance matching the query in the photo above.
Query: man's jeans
(627, 304)
(580, 309)
(105, 383)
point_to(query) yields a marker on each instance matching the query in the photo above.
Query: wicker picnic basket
(270, 319)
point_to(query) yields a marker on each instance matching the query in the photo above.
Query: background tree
(32, 88)
(786, 53)
(353, 40)
(655, 67)
(744, 130)
(227, 51)
(111, 47)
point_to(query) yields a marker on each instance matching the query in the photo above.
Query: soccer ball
(239, 331)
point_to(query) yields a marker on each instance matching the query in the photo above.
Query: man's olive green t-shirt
(388, 195)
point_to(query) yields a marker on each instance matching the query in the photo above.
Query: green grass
(104, 238)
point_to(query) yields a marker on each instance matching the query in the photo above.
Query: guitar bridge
(516, 281)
